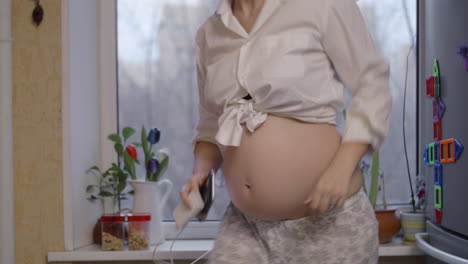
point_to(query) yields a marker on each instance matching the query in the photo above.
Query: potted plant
(151, 192)
(412, 218)
(110, 186)
(389, 224)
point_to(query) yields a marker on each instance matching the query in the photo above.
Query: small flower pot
(412, 223)
(389, 224)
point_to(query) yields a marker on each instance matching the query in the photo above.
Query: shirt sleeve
(362, 69)
(207, 125)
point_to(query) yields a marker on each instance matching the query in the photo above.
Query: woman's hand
(192, 185)
(332, 188)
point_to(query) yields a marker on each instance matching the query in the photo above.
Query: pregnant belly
(272, 172)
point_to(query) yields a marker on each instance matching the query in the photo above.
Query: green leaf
(115, 167)
(122, 178)
(90, 188)
(374, 179)
(127, 132)
(119, 149)
(137, 144)
(121, 186)
(144, 139)
(105, 194)
(115, 138)
(129, 165)
(94, 168)
(132, 192)
(92, 198)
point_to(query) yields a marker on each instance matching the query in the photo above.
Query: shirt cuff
(206, 139)
(358, 129)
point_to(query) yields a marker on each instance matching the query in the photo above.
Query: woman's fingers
(320, 203)
(340, 203)
(324, 203)
(190, 186)
(314, 203)
(184, 195)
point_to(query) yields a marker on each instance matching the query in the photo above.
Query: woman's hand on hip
(332, 188)
(330, 191)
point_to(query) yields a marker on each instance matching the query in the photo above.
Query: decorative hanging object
(38, 13)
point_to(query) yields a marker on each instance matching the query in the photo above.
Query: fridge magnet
(436, 74)
(450, 150)
(426, 156)
(437, 197)
(463, 52)
(431, 153)
(436, 153)
(430, 86)
(438, 109)
(458, 149)
(437, 125)
(438, 213)
(438, 174)
(447, 151)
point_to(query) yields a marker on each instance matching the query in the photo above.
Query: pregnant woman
(271, 79)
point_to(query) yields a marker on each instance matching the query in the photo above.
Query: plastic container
(138, 231)
(113, 232)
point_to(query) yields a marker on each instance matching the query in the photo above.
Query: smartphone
(207, 192)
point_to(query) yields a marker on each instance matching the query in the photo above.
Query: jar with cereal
(113, 232)
(138, 231)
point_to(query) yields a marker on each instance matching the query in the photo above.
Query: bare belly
(271, 173)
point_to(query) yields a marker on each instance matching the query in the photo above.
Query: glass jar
(138, 231)
(113, 232)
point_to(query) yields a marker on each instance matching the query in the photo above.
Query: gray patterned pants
(341, 236)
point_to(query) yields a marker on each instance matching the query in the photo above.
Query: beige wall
(37, 130)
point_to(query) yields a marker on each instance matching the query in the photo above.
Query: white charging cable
(171, 252)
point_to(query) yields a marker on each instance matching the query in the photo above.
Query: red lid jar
(138, 231)
(113, 232)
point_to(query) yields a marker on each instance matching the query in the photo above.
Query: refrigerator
(442, 105)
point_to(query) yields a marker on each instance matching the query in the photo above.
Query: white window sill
(189, 249)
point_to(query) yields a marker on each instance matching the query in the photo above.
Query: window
(157, 81)
(393, 27)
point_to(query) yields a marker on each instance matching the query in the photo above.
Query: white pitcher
(151, 197)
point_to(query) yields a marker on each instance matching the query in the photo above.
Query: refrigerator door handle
(421, 241)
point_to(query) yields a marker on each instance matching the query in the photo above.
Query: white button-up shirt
(295, 62)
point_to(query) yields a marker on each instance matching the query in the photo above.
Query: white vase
(151, 197)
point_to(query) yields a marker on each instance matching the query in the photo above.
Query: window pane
(157, 82)
(393, 26)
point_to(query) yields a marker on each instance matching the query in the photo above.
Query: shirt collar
(225, 11)
(224, 7)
